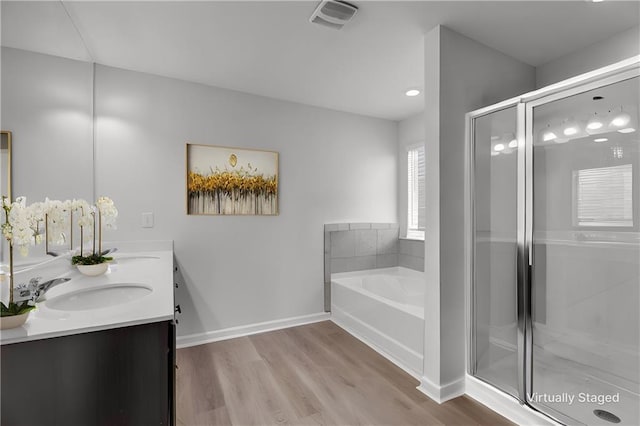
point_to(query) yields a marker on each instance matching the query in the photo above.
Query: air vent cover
(333, 14)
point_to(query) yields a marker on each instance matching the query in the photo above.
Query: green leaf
(15, 309)
(93, 259)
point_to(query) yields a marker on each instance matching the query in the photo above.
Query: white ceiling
(269, 48)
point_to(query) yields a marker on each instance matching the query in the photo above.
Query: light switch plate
(147, 220)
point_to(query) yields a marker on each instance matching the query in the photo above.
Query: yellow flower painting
(231, 181)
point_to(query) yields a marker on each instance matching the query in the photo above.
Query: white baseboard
(369, 336)
(246, 330)
(504, 404)
(442, 393)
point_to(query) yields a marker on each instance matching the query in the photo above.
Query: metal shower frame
(524, 105)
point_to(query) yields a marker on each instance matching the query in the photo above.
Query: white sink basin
(99, 297)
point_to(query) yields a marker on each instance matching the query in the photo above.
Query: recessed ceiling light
(600, 140)
(412, 92)
(627, 130)
(499, 147)
(597, 1)
(594, 123)
(620, 120)
(570, 128)
(513, 143)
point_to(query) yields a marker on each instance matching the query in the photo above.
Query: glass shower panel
(586, 256)
(495, 247)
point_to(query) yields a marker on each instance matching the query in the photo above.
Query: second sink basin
(99, 297)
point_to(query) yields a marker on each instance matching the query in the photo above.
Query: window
(416, 193)
(603, 196)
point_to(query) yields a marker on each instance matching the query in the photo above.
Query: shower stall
(554, 247)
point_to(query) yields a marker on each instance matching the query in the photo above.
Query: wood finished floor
(316, 374)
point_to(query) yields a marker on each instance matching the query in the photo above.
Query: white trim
(359, 330)
(442, 393)
(411, 239)
(504, 404)
(247, 330)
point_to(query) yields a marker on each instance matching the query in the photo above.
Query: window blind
(604, 196)
(416, 192)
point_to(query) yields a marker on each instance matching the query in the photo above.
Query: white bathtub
(385, 309)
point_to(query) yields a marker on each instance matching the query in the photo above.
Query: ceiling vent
(333, 14)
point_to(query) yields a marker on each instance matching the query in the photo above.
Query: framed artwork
(231, 181)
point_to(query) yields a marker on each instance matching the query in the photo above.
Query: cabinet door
(112, 377)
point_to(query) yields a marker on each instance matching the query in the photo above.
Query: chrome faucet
(39, 289)
(25, 291)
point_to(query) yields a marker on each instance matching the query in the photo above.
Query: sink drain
(605, 415)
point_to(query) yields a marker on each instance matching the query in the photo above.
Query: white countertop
(148, 265)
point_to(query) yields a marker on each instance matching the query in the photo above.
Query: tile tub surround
(358, 246)
(411, 254)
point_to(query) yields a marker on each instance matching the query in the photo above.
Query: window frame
(414, 232)
(619, 224)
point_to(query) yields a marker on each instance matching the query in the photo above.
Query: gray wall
(240, 270)
(614, 49)
(334, 167)
(461, 75)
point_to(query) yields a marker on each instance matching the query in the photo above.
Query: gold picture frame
(224, 181)
(5, 163)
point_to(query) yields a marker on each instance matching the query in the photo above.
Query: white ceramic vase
(93, 270)
(13, 321)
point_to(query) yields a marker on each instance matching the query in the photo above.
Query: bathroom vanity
(98, 350)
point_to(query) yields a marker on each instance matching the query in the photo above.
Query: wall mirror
(47, 103)
(5, 163)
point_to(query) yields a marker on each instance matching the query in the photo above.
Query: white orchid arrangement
(27, 225)
(21, 228)
(57, 220)
(22, 223)
(107, 214)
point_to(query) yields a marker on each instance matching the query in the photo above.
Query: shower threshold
(564, 387)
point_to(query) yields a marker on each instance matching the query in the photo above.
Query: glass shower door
(494, 357)
(585, 273)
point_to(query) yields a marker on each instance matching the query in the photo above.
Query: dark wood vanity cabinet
(122, 376)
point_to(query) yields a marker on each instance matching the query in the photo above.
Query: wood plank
(288, 373)
(316, 374)
(200, 390)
